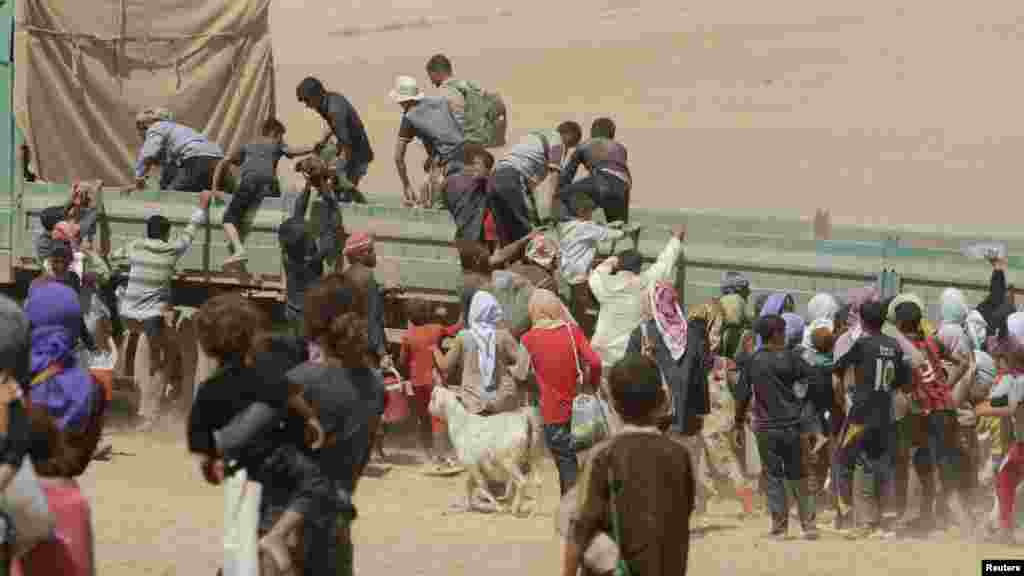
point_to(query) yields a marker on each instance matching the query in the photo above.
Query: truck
(414, 246)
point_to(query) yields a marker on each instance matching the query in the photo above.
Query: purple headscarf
(55, 314)
(794, 328)
(855, 298)
(773, 305)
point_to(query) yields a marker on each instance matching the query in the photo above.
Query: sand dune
(875, 110)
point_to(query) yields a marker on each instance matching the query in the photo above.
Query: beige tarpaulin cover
(85, 67)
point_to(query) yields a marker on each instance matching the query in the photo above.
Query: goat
(494, 448)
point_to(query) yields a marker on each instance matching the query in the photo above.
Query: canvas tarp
(83, 69)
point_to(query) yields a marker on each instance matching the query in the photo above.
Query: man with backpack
(481, 114)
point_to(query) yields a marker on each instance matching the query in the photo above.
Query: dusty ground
(155, 515)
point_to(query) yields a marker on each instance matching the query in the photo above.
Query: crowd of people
(748, 400)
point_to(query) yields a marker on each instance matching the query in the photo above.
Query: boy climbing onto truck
(257, 163)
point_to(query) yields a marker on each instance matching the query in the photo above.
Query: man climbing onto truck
(354, 153)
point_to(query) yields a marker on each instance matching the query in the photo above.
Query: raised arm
(663, 266)
(509, 253)
(199, 216)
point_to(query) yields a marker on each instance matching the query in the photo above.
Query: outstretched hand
(679, 231)
(204, 199)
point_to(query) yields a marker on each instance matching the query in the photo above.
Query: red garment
(931, 392)
(1010, 475)
(454, 329)
(417, 348)
(551, 355)
(490, 227)
(421, 396)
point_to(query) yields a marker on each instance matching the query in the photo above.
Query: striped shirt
(153, 262)
(170, 143)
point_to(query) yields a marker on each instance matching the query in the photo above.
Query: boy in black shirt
(767, 379)
(879, 369)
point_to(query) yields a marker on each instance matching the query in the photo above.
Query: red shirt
(417, 349)
(490, 227)
(931, 392)
(551, 355)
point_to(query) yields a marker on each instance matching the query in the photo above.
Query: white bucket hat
(406, 90)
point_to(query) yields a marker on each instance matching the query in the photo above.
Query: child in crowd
(257, 163)
(578, 246)
(639, 482)
(811, 417)
(349, 397)
(238, 412)
(1007, 397)
(417, 359)
(304, 258)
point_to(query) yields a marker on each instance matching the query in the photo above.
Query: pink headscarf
(669, 318)
(358, 244)
(856, 298)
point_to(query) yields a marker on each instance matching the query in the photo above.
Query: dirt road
(154, 515)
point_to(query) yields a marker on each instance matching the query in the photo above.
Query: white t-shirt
(578, 245)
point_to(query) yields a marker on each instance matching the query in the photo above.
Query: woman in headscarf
(550, 343)
(66, 405)
(665, 336)
(484, 352)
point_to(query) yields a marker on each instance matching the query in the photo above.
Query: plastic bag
(241, 523)
(589, 421)
(28, 507)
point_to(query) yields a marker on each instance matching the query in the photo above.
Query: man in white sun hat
(431, 120)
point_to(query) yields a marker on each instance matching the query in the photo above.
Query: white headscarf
(1015, 326)
(821, 313)
(977, 329)
(952, 331)
(484, 315)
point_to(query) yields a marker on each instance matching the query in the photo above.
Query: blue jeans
(558, 437)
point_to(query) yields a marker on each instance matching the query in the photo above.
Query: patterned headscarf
(542, 252)
(55, 315)
(855, 299)
(358, 244)
(484, 315)
(669, 318)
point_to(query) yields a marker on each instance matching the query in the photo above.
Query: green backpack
(486, 117)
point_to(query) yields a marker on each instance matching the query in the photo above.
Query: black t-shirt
(348, 402)
(879, 369)
(347, 126)
(769, 376)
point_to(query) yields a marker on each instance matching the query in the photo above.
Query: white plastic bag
(241, 523)
(589, 421)
(29, 509)
(752, 456)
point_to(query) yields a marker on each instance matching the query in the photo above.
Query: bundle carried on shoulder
(486, 116)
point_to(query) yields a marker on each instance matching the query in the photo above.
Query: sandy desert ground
(154, 515)
(880, 111)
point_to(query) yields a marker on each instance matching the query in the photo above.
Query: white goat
(494, 448)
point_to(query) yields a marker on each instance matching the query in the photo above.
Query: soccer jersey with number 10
(879, 369)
